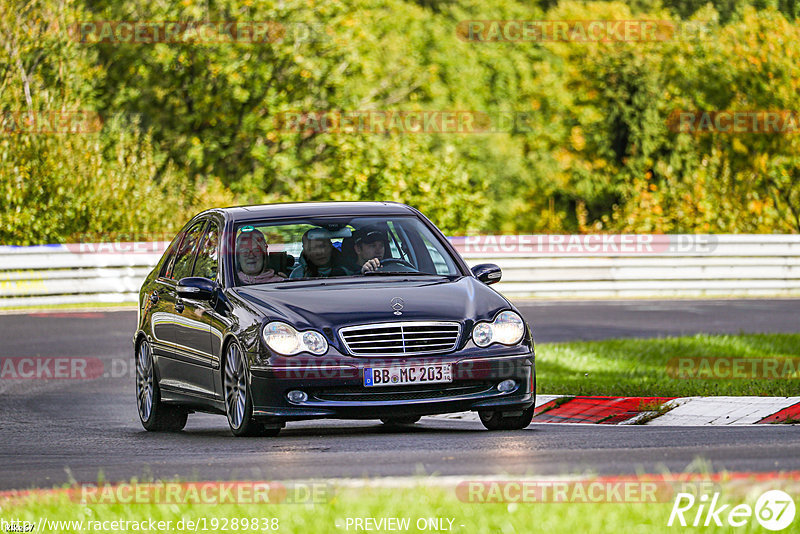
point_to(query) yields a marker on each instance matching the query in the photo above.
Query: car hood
(340, 303)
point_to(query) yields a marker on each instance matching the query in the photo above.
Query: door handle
(154, 297)
(179, 307)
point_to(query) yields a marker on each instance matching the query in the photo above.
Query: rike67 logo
(774, 510)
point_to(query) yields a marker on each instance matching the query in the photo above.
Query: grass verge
(80, 306)
(717, 365)
(424, 507)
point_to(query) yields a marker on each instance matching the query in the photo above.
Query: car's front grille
(400, 393)
(401, 338)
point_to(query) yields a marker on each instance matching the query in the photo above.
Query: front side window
(207, 263)
(169, 257)
(335, 247)
(184, 258)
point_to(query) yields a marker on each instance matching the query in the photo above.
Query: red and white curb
(660, 411)
(721, 411)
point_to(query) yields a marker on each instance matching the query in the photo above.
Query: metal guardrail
(74, 274)
(576, 266)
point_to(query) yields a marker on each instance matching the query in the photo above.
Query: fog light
(297, 396)
(506, 385)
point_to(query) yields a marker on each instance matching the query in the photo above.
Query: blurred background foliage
(192, 125)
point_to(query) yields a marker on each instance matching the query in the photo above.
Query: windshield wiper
(399, 273)
(285, 280)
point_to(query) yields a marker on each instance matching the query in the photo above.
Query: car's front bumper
(337, 390)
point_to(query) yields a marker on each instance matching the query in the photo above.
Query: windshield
(275, 251)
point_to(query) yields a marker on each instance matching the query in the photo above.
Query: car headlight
(507, 329)
(286, 340)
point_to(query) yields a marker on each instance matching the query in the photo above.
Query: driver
(369, 244)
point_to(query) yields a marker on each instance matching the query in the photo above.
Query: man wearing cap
(369, 245)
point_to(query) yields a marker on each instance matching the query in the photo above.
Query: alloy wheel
(144, 381)
(235, 386)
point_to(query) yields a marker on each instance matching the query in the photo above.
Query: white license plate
(410, 374)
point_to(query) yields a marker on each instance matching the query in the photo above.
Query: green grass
(639, 367)
(413, 502)
(82, 306)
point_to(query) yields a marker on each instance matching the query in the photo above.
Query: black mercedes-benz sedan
(350, 310)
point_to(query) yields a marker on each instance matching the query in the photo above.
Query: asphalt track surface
(56, 431)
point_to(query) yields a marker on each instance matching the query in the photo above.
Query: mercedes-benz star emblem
(397, 305)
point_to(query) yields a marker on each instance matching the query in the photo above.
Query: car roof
(313, 209)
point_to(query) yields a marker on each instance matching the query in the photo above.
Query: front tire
(154, 414)
(238, 400)
(497, 420)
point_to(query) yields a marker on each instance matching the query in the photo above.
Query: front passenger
(251, 257)
(318, 258)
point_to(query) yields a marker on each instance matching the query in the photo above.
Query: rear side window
(184, 258)
(207, 259)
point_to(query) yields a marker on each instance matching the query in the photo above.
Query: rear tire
(238, 400)
(154, 414)
(496, 420)
(396, 421)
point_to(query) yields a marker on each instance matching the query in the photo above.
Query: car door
(193, 328)
(159, 303)
(182, 368)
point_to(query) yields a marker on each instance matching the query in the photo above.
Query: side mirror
(196, 288)
(488, 273)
